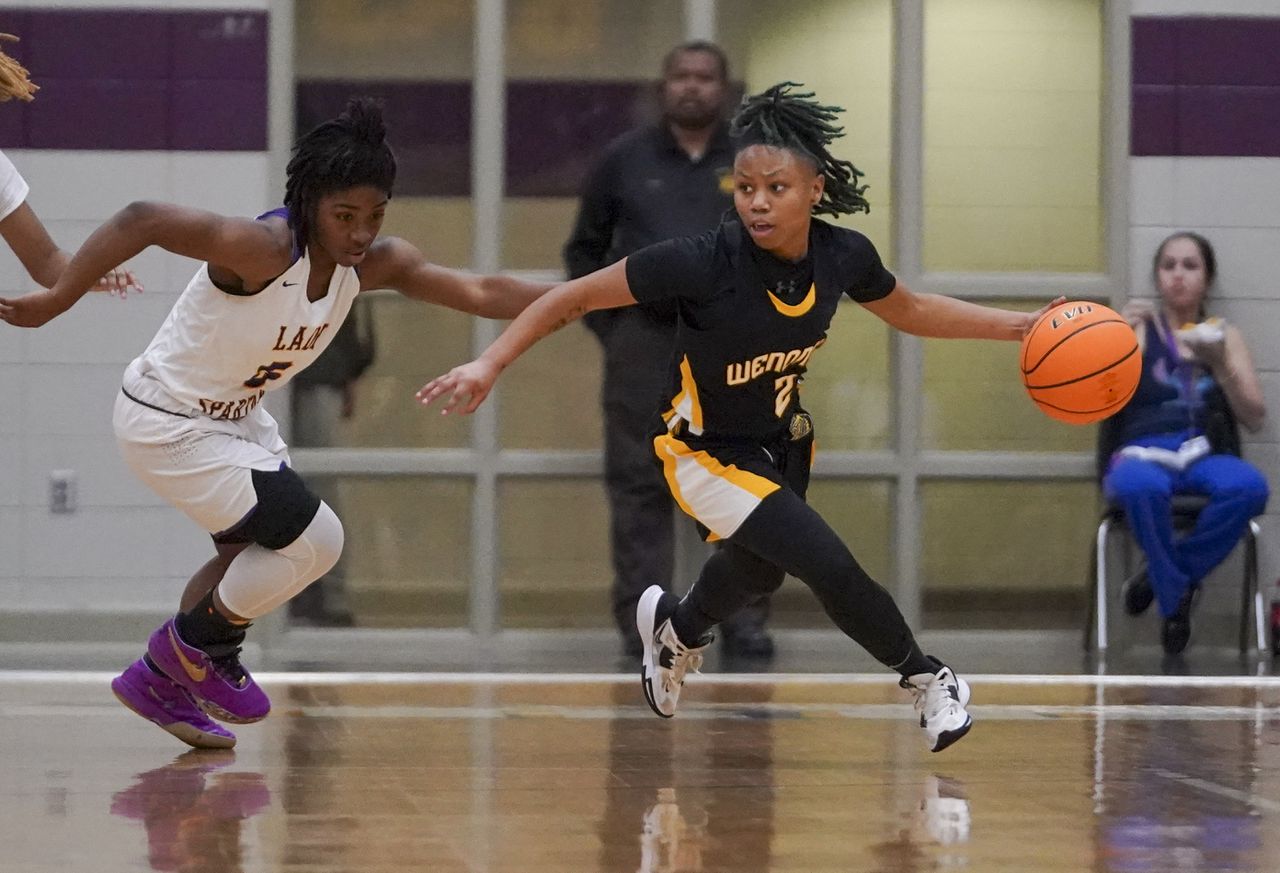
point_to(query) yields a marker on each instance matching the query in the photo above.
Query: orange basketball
(1080, 362)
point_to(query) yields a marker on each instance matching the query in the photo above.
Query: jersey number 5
(267, 373)
(785, 386)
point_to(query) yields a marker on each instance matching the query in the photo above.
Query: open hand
(1033, 317)
(29, 310)
(1138, 310)
(467, 387)
(117, 283)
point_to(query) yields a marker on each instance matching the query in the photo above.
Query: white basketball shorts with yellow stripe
(721, 483)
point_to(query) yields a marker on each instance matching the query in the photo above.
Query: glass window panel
(555, 566)
(847, 386)
(439, 226)
(417, 59)
(603, 39)
(861, 512)
(1006, 554)
(842, 50)
(550, 398)
(974, 400)
(581, 74)
(414, 343)
(1013, 97)
(535, 229)
(554, 554)
(383, 39)
(406, 561)
(376, 47)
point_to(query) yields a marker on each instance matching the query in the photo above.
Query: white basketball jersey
(13, 188)
(218, 353)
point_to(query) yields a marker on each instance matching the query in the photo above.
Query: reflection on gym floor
(786, 774)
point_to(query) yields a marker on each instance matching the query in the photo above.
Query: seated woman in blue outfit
(1197, 377)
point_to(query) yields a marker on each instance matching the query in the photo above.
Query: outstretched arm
(469, 384)
(255, 251)
(44, 261)
(933, 315)
(396, 264)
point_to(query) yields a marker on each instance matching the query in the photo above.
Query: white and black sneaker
(665, 659)
(940, 699)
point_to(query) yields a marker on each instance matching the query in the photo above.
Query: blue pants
(1236, 490)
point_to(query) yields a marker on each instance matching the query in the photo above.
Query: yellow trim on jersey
(686, 404)
(794, 310)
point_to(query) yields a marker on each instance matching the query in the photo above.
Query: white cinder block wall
(1232, 201)
(122, 549)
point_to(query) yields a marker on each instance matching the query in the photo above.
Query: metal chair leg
(1253, 591)
(1090, 600)
(1100, 588)
(1252, 600)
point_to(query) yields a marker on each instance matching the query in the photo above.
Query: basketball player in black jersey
(755, 299)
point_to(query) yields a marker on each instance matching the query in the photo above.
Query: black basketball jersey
(745, 336)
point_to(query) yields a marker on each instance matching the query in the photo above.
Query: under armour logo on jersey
(786, 288)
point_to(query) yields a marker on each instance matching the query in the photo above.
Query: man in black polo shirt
(668, 180)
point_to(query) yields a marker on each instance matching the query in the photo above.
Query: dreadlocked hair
(14, 79)
(791, 120)
(344, 152)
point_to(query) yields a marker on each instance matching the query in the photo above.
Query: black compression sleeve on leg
(730, 579)
(690, 620)
(916, 662)
(787, 532)
(204, 627)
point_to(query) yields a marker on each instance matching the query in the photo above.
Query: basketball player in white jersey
(271, 294)
(19, 226)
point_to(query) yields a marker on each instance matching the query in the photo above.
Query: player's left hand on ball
(1035, 316)
(466, 386)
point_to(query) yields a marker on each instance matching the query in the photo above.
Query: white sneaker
(940, 698)
(665, 659)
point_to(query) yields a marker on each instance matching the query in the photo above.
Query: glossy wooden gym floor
(788, 774)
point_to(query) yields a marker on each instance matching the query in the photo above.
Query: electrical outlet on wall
(62, 491)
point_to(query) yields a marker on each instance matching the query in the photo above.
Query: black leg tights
(731, 579)
(785, 535)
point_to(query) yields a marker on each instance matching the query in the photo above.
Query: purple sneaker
(163, 702)
(220, 686)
